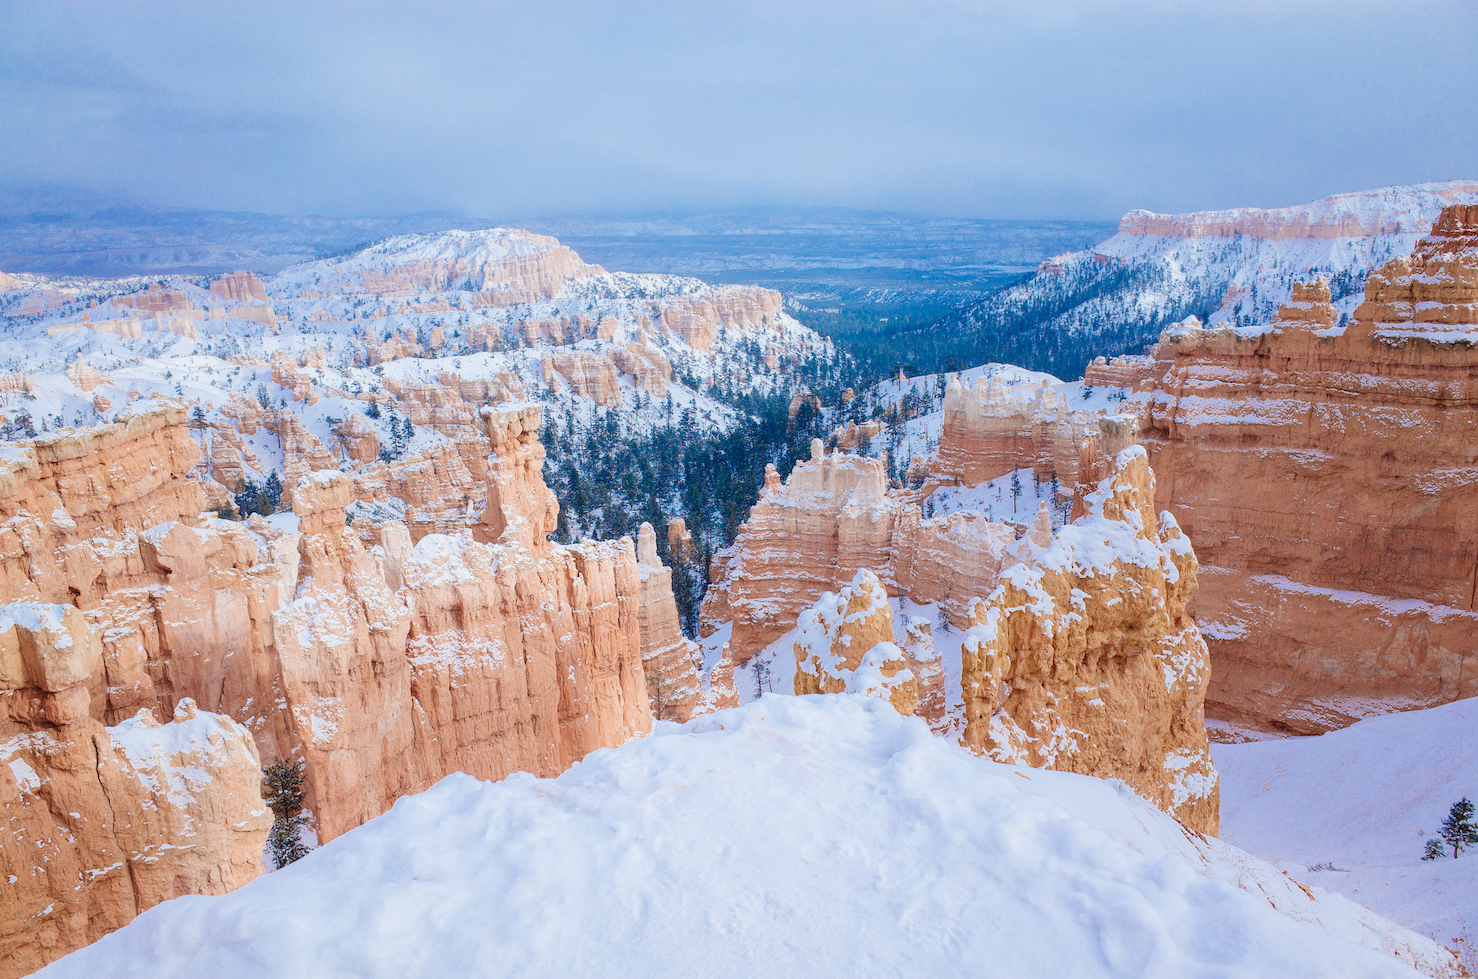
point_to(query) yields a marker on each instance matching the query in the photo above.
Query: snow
(794, 836)
(996, 501)
(1360, 802)
(37, 617)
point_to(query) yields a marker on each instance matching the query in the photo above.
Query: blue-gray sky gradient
(1026, 110)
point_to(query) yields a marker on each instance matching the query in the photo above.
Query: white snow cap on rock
(804, 836)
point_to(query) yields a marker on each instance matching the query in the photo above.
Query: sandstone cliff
(106, 822)
(383, 669)
(1079, 655)
(1325, 474)
(845, 645)
(989, 432)
(834, 517)
(670, 660)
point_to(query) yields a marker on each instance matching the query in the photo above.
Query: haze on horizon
(1070, 110)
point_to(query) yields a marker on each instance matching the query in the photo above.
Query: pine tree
(1458, 830)
(272, 493)
(282, 784)
(1433, 850)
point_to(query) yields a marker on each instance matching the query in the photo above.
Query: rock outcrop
(990, 431)
(835, 516)
(670, 661)
(1084, 658)
(383, 669)
(1340, 216)
(846, 646)
(106, 822)
(239, 287)
(1326, 477)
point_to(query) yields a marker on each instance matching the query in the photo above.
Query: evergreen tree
(282, 790)
(1458, 830)
(272, 493)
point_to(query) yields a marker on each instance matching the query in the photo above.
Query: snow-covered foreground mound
(1358, 804)
(812, 836)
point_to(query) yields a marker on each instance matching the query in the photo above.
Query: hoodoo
(1078, 653)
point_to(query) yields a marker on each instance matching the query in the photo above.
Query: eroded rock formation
(1084, 658)
(834, 517)
(106, 822)
(846, 646)
(670, 660)
(989, 431)
(383, 669)
(1326, 476)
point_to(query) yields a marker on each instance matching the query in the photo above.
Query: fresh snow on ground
(1358, 804)
(796, 836)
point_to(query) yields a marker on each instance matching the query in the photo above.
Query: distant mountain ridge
(1235, 265)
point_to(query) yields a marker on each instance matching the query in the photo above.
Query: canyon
(1075, 648)
(1270, 524)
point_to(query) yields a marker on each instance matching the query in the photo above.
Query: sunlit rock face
(846, 646)
(833, 517)
(501, 652)
(487, 650)
(990, 432)
(1084, 658)
(1079, 653)
(1325, 473)
(106, 822)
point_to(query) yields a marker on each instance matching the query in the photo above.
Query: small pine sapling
(1433, 850)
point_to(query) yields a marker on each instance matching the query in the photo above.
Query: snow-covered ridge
(795, 836)
(1225, 267)
(1408, 210)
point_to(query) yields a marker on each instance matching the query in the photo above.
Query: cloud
(1007, 110)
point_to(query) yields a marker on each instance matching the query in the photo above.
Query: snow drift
(794, 836)
(1350, 810)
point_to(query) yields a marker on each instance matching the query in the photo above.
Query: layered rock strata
(106, 822)
(989, 432)
(670, 660)
(845, 645)
(1327, 477)
(488, 651)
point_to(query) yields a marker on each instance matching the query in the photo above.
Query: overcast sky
(1033, 109)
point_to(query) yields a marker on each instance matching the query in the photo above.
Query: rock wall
(1327, 478)
(1084, 659)
(239, 287)
(670, 661)
(106, 822)
(1341, 216)
(383, 669)
(990, 432)
(846, 646)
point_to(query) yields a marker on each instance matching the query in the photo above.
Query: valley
(479, 532)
